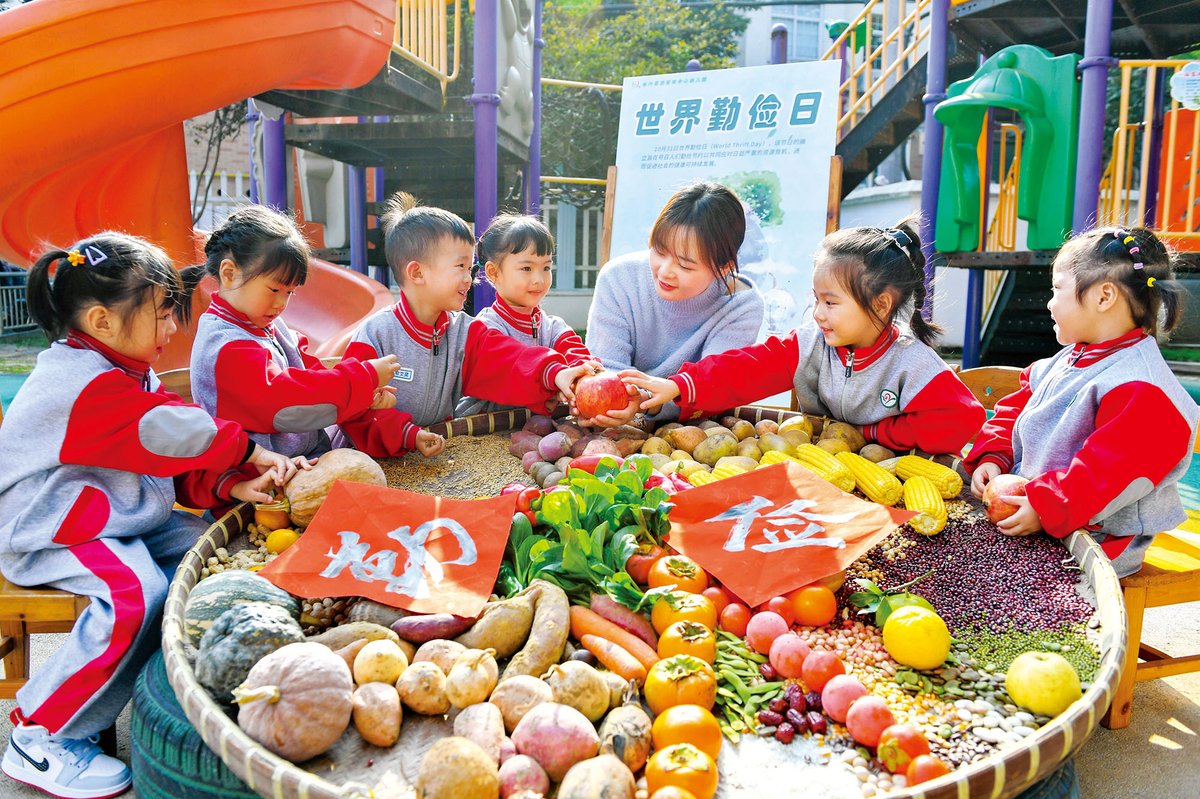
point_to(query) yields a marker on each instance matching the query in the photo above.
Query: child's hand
(384, 399)
(1024, 522)
(430, 444)
(256, 490)
(615, 417)
(385, 368)
(272, 462)
(658, 390)
(565, 380)
(983, 475)
(304, 463)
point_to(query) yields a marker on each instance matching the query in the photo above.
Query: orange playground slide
(93, 94)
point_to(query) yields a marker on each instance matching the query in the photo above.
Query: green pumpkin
(214, 595)
(239, 638)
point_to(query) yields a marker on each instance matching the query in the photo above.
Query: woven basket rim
(1000, 775)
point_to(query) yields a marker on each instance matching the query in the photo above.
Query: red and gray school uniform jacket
(897, 390)
(457, 355)
(94, 447)
(535, 329)
(266, 381)
(1103, 432)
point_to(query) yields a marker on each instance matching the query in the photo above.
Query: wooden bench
(29, 611)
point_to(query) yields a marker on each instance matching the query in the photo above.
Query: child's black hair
(261, 241)
(111, 269)
(710, 212)
(870, 262)
(510, 234)
(1104, 254)
(411, 232)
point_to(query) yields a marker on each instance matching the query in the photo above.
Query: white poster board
(768, 133)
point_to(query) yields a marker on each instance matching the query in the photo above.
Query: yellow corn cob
(721, 472)
(774, 456)
(701, 478)
(945, 479)
(876, 483)
(921, 495)
(822, 463)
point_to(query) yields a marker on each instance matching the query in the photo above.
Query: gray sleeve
(610, 330)
(738, 326)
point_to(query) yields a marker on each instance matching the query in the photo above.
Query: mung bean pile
(469, 467)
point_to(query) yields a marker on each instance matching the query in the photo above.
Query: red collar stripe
(865, 356)
(82, 341)
(416, 330)
(525, 323)
(1087, 354)
(226, 312)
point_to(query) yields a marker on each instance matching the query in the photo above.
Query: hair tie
(75, 258)
(1150, 282)
(901, 240)
(1127, 240)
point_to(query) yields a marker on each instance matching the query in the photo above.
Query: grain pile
(469, 467)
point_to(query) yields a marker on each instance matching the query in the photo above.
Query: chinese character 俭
(763, 111)
(687, 115)
(724, 115)
(794, 523)
(649, 116)
(380, 567)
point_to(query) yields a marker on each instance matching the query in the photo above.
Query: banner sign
(767, 133)
(771, 530)
(418, 552)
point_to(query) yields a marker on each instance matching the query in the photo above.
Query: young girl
(682, 299)
(517, 253)
(95, 455)
(248, 365)
(1102, 430)
(855, 363)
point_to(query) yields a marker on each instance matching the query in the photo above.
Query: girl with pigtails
(854, 362)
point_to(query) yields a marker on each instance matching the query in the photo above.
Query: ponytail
(39, 297)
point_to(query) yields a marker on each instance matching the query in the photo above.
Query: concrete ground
(1156, 757)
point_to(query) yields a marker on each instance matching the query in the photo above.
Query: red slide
(93, 94)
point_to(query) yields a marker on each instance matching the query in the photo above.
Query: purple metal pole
(779, 37)
(931, 163)
(973, 328)
(693, 65)
(1096, 61)
(252, 120)
(1155, 145)
(382, 273)
(486, 102)
(357, 191)
(275, 163)
(533, 181)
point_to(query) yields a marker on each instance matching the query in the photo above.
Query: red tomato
(718, 595)
(781, 606)
(526, 497)
(639, 563)
(734, 618)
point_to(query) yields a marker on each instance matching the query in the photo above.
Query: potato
(658, 461)
(771, 442)
(455, 768)
(876, 453)
(602, 446)
(563, 464)
(801, 423)
(766, 426)
(540, 471)
(482, 724)
(503, 626)
(602, 777)
(795, 437)
(748, 448)
(680, 455)
(666, 428)
(729, 421)
(686, 438)
(554, 478)
(656, 446)
(834, 445)
(377, 713)
(721, 444)
(472, 678)
(554, 446)
(517, 696)
(422, 687)
(846, 432)
(718, 430)
(441, 652)
(742, 430)
(707, 423)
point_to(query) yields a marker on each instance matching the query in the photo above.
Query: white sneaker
(72, 768)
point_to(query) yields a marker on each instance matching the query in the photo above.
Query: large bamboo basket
(1001, 775)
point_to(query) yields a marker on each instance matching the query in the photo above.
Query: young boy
(444, 354)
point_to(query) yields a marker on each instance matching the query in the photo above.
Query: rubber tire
(1062, 784)
(170, 760)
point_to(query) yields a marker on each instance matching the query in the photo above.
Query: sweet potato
(522, 773)
(571, 431)
(455, 768)
(581, 444)
(626, 431)
(431, 626)
(602, 777)
(350, 651)
(623, 617)
(482, 724)
(377, 714)
(551, 622)
(345, 634)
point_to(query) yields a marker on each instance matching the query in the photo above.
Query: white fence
(577, 233)
(14, 315)
(228, 192)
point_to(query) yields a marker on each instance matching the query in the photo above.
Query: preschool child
(95, 454)
(1103, 430)
(247, 365)
(443, 352)
(854, 363)
(517, 257)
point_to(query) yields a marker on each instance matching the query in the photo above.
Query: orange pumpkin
(680, 680)
(676, 606)
(688, 638)
(682, 766)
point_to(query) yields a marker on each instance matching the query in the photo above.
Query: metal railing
(14, 313)
(1002, 230)
(423, 36)
(1142, 186)
(578, 233)
(227, 192)
(875, 62)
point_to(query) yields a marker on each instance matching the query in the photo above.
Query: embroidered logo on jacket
(888, 398)
(404, 375)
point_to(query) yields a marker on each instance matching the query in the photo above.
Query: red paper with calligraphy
(766, 532)
(414, 551)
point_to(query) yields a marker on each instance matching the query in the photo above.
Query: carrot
(628, 620)
(587, 622)
(615, 659)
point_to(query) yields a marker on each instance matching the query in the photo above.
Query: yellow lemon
(916, 637)
(280, 540)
